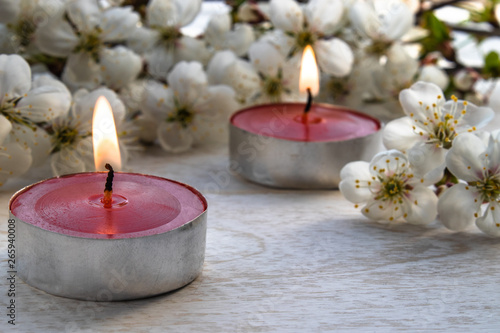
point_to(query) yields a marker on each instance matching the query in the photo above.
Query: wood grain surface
(288, 261)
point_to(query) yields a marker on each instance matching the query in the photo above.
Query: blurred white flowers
(19, 20)
(84, 33)
(220, 35)
(476, 161)
(266, 78)
(313, 25)
(24, 105)
(162, 41)
(188, 111)
(381, 21)
(389, 189)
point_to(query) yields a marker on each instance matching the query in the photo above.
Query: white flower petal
(14, 159)
(160, 60)
(219, 105)
(334, 56)
(117, 23)
(240, 39)
(426, 157)
(120, 66)
(422, 206)
(384, 21)
(158, 101)
(280, 40)
(47, 99)
(456, 207)
(174, 138)
(489, 223)
(380, 211)
(286, 15)
(81, 71)
(324, 16)
(167, 13)
(37, 141)
(5, 127)
(15, 77)
(418, 97)
(462, 159)
(265, 58)
(216, 70)
(364, 19)
(217, 28)
(398, 134)
(475, 115)
(132, 95)
(397, 20)
(188, 81)
(56, 37)
(434, 74)
(493, 151)
(67, 162)
(351, 172)
(142, 39)
(191, 49)
(390, 161)
(84, 14)
(243, 78)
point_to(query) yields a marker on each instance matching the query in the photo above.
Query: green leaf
(438, 35)
(491, 67)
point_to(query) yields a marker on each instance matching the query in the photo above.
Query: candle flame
(104, 137)
(309, 74)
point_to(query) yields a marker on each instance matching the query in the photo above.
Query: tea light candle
(149, 240)
(300, 145)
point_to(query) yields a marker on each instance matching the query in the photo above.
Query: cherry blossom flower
(162, 41)
(25, 105)
(383, 22)
(220, 36)
(313, 25)
(189, 111)
(476, 161)
(431, 125)
(72, 149)
(83, 33)
(18, 21)
(266, 78)
(389, 189)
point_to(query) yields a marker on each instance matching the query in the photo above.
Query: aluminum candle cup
(151, 241)
(274, 145)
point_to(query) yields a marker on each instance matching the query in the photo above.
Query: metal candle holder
(282, 163)
(110, 269)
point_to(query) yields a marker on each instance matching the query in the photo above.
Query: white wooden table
(288, 261)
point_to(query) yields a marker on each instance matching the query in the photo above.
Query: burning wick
(108, 188)
(308, 106)
(309, 101)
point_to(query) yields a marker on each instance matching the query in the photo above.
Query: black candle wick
(309, 101)
(108, 188)
(109, 179)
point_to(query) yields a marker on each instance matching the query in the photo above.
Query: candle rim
(196, 192)
(380, 124)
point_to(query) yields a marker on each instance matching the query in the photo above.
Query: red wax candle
(324, 122)
(142, 205)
